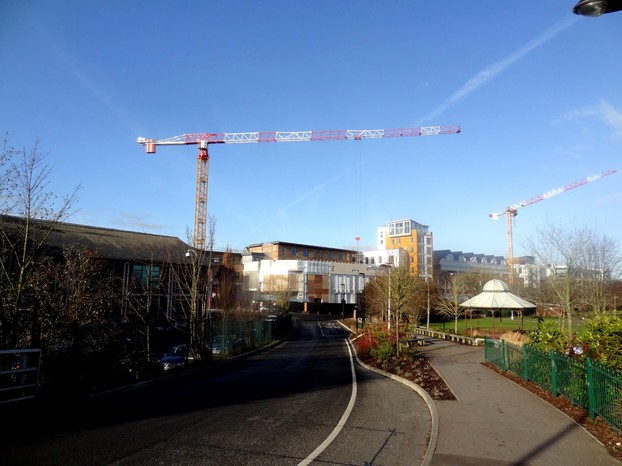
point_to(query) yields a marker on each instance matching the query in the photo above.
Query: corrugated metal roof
(109, 243)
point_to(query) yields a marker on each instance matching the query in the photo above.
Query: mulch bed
(417, 370)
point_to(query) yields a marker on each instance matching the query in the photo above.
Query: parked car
(177, 357)
(220, 346)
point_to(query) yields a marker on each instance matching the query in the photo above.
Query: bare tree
(401, 294)
(580, 267)
(375, 298)
(140, 299)
(73, 305)
(279, 288)
(24, 194)
(224, 298)
(455, 291)
(196, 282)
(225, 279)
(603, 264)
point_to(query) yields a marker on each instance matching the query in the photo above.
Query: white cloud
(604, 111)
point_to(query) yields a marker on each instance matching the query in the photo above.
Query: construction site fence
(593, 387)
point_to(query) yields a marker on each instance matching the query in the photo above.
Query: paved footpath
(497, 422)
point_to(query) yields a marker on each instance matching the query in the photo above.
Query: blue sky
(534, 88)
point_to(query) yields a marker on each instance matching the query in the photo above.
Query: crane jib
(202, 140)
(303, 136)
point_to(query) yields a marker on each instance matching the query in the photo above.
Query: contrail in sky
(300, 199)
(493, 70)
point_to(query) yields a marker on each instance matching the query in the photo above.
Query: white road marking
(342, 421)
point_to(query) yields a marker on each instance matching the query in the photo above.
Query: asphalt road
(304, 401)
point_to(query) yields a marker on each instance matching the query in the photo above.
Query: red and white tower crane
(511, 211)
(203, 140)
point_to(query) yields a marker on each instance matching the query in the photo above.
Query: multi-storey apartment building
(447, 261)
(414, 239)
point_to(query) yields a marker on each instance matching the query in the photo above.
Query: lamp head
(595, 8)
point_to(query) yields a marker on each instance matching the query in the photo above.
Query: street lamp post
(194, 334)
(343, 299)
(389, 305)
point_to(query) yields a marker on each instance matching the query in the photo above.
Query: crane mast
(203, 140)
(511, 211)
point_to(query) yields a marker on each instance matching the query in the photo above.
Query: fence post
(525, 363)
(553, 373)
(591, 396)
(503, 364)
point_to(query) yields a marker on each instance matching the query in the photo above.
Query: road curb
(427, 457)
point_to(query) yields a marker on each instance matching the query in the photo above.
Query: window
(305, 252)
(340, 256)
(147, 276)
(330, 255)
(293, 251)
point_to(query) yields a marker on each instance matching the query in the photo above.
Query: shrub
(547, 337)
(365, 343)
(385, 348)
(376, 344)
(383, 351)
(601, 340)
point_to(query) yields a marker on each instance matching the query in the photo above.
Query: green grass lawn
(494, 324)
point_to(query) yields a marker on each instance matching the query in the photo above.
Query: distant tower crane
(203, 140)
(511, 211)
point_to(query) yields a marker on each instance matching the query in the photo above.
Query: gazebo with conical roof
(496, 295)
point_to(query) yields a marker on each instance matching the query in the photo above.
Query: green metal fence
(231, 337)
(228, 338)
(595, 388)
